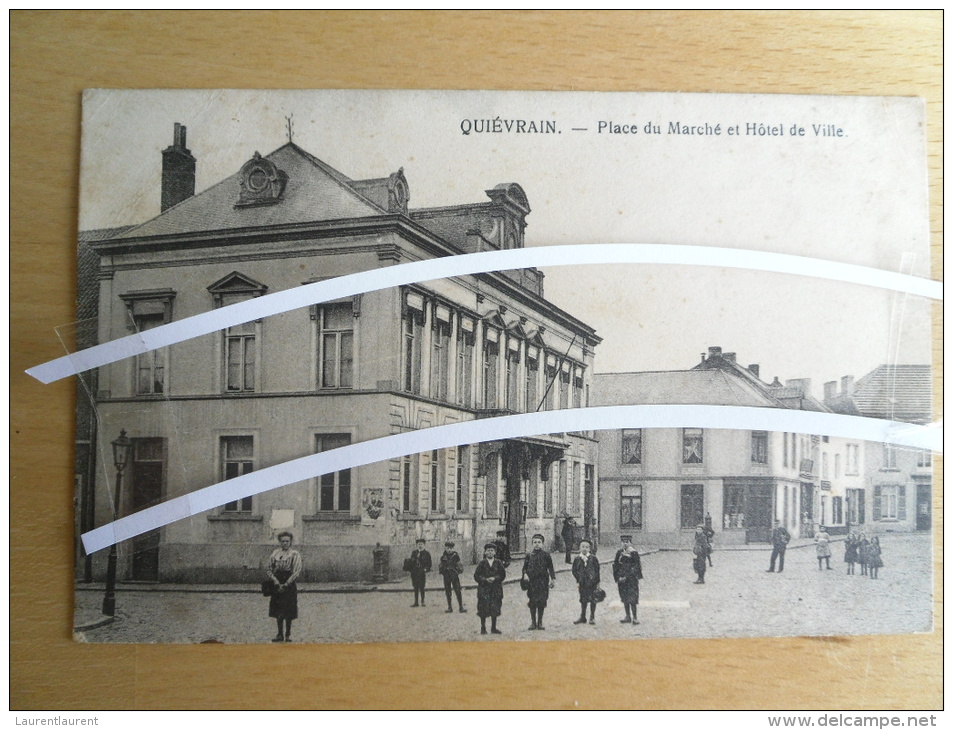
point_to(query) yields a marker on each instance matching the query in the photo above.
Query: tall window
(491, 368)
(759, 447)
(837, 466)
(550, 383)
(733, 514)
(336, 343)
(548, 489)
(532, 379)
(785, 440)
(438, 475)
(890, 456)
(512, 375)
(576, 487)
(465, 344)
(440, 355)
(240, 358)
(237, 458)
(824, 469)
(693, 505)
(577, 388)
(462, 496)
(924, 458)
(631, 445)
(334, 490)
(408, 482)
(413, 323)
(563, 484)
(855, 506)
(890, 502)
(794, 461)
(564, 377)
(837, 510)
(630, 507)
(148, 310)
(693, 443)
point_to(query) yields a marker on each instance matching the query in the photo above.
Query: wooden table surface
(54, 55)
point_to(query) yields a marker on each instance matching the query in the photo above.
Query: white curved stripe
(494, 429)
(461, 264)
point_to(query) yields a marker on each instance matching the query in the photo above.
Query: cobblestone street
(738, 599)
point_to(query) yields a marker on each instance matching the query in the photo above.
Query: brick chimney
(847, 385)
(755, 370)
(830, 390)
(714, 352)
(802, 384)
(178, 170)
(730, 357)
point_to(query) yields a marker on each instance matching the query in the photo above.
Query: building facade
(659, 484)
(898, 482)
(313, 379)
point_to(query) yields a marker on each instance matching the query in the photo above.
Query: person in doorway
(701, 550)
(450, 569)
(284, 567)
(627, 572)
(568, 534)
(502, 548)
(489, 577)
(539, 572)
(420, 563)
(585, 569)
(780, 538)
(822, 543)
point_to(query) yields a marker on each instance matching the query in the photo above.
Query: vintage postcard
(601, 366)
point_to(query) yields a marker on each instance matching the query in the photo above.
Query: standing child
(627, 571)
(874, 560)
(822, 543)
(862, 546)
(701, 550)
(420, 563)
(489, 577)
(585, 569)
(850, 552)
(538, 570)
(450, 569)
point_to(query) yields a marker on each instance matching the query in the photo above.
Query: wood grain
(54, 55)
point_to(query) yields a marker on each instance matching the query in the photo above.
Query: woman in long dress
(284, 567)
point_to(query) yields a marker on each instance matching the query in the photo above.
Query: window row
(457, 357)
(693, 446)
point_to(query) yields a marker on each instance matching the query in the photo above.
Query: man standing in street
(780, 539)
(419, 564)
(568, 534)
(701, 550)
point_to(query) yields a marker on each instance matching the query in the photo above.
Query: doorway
(147, 476)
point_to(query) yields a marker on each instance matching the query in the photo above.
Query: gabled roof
(678, 387)
(897, 392)
(314, 192)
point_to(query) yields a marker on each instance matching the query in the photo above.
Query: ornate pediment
(260, 182)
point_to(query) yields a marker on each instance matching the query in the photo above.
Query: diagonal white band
(459, 265)
(494, 429)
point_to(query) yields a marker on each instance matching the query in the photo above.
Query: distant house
(658, 484)
(899, 480)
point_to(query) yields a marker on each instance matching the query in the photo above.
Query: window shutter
(902, 502)
(876, 505)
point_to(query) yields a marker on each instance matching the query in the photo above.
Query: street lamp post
(121, 448)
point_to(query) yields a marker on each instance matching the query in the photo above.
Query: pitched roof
(897, 392)
(678, 387)
(314, 192)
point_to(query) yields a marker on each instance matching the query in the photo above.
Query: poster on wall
(365, 366)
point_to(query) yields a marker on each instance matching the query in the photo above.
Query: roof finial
(290, 132)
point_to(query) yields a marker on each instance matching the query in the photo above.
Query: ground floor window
(693, 505)
(630, 507)
(733, 514)
(334, 489)
(837, 510)
(890, 502)
(855, 506)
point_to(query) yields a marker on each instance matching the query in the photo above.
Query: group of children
(538, 577)
(858, 549)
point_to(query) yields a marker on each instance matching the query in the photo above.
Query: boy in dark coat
(489, 577)
(627, 571)
(502, 549)
(539, 572)
(420, 564)
(702, 550)
(450, 569)
(585, 569)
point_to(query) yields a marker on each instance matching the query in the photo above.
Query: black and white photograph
(714, 422)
